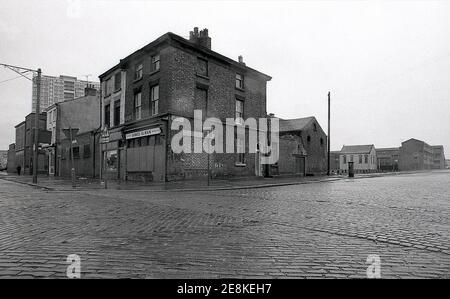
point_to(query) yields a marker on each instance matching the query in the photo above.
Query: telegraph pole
(36, 126)
(21, 71)
(329, 137)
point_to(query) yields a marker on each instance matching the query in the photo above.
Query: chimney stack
(241, 59)
(200, 38)
(89, 90)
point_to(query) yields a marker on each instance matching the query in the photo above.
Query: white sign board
(143, 133)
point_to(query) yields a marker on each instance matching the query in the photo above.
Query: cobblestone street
(322, 229)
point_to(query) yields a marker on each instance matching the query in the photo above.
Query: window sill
(117, 90)
(237, 164)
(240, 89)
(202, 76)
(154, 72)
(137, 80)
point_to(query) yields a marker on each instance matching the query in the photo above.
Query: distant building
(58, 89)
(364, 158)
(334, 161)
(82, 113)
(302, 147)
(438, 157)
(388, 158)
(3, 159)
(24, 144)
(415, 155)
(11, 165)
(447, 163)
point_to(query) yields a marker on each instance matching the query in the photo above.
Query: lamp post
(22, 71)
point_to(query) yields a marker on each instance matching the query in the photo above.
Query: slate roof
(296, 124)
(357, 149)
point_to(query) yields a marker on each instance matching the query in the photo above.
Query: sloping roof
(357, 149)
(387, 149)
(296, 124)
(172, 36)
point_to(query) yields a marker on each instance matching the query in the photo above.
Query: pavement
(317, 230)
(64, 184)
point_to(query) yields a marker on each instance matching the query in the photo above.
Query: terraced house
(169, 78)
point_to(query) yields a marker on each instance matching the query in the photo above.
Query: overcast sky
(387, 64)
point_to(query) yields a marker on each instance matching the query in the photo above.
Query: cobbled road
(317, 230)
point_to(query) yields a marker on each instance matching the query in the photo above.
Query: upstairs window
(154, 99)
(76, 152)
(117, 81)
(155, 62)
(360, 159)
(202, 67)
(344, 159)
(138, 72)
(239, 111)
(108, 87)
(116, 113)
(137, 105)
(366, 159)
(239, 81)
(107, 115)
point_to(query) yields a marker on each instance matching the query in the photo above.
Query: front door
(300, 165)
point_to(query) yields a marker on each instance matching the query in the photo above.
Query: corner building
(169, 78)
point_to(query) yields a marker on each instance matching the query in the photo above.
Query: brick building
(24, 144)
(86, 153)
(438, 157)
(3, 159)
(388, 158)
(11, 163)
(302, 147)
(169, 78)
(334, 161)
(82, 113)
(415, 155)
(364, 158)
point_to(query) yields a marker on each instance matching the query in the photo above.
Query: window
(155, 62)
(108, 87)
(239, 81)
(137, 105)
(107, 115)
(315, 128)
(138, 72)
(117, 81)
(308, 138)
(111, 160)
(76, 152)
(366, 159)
(202, 67)
(344, 159)
(240, 149)
(154, 99)
(239, 111)
(351, 158)
(117, 113)
(321, 141)
(360, 159)
(68, 96)
(87, 151)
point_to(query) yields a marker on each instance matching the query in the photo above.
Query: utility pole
(329, 137)
(36, 126)
(21, 71)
